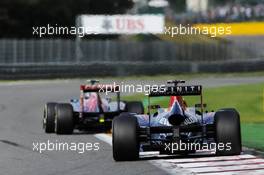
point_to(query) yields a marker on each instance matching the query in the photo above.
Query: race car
(168, 130)
(94, 110)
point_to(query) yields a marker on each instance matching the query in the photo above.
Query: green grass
(185, 76)
(253, 135)
(247, 99)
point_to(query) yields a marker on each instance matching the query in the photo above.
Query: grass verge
(185, 76)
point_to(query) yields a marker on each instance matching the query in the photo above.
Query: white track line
(207, 159)
(221, 163)
(254, 172)
(105, 138)
(238, 168)
(224, 165)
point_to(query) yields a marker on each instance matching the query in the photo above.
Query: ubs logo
(107, 24)
(129, 24)
(123, 24)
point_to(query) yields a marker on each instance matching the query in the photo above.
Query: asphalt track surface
(21, 110)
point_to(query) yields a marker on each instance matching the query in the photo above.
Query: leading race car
(94, 110)
(177, 130)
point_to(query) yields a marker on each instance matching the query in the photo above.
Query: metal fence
(23, 52)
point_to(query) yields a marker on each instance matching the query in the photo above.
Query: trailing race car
(177, 130)
(93, 111)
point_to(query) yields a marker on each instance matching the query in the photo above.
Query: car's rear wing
(178, 91)
(99, 88)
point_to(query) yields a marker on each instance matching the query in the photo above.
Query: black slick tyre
(49, 117)
(64, 123)
(125, 137)
(227, 132)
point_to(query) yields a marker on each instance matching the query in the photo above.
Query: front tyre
(227, 132)
(49, 117)
(125, 137)
(64, 123)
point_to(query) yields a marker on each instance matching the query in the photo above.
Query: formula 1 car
(177, 130)
(92, 111)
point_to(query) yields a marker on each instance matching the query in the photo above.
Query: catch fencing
(21, 59)
(24, 52)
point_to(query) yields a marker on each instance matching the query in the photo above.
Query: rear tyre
(64, 123)
(49, 118)
(125, 138)
(227, 130)
(135, 107)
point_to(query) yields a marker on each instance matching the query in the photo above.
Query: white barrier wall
(122, 24)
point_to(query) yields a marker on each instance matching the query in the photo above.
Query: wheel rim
(45, 118)
(55, 123)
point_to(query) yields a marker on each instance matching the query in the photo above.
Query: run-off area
(207, 165)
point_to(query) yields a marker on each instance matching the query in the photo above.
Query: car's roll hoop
(93, 81)
(100, 88)
(175, 82)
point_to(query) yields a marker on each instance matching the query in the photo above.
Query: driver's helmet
(180, 100)
(86, 95)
